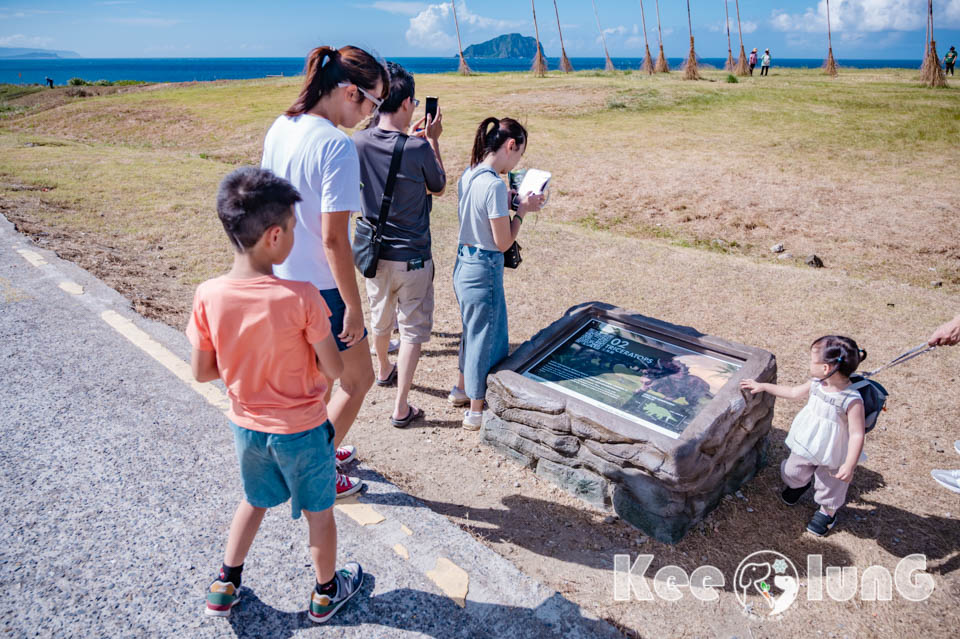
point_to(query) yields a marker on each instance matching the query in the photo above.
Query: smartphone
(432, 107)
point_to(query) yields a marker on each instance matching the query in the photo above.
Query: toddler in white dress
(826, 437)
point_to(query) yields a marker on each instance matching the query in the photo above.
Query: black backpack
(874, 398)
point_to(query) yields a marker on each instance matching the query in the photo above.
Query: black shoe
(821, 524)
(790, 496)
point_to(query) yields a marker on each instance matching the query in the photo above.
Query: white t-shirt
(321, 161)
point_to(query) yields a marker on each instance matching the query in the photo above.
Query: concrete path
(118, 481)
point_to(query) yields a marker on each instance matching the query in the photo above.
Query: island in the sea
(20, 53)
(511, 45)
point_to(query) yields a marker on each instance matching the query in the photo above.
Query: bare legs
(323, 538)
(356, 380)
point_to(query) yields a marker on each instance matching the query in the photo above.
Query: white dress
(820, 431)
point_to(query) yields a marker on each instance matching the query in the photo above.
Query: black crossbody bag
(367, 240)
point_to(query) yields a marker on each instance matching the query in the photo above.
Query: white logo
(767, 578)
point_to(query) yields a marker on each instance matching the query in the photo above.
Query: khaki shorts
(409, 293)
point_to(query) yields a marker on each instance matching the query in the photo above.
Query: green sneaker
(349, 579)
(222, 597)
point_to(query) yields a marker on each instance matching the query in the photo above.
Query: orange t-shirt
(261, 330)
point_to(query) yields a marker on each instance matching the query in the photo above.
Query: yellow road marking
(406, 530)
(400, 550)
(167, 359)
(363, 514)
(34, 258)
(71, 287)
(451, 579)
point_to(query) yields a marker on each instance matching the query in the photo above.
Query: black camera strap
(387, 199)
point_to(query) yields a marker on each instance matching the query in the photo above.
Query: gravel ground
(119, 482)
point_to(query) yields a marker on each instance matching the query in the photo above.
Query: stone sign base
(660, 484)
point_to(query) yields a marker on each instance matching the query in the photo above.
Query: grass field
(667, 196)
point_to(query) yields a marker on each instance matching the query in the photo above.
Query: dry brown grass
(644, 182)
(931, 73)
(830, 65)
(661, 66)
(690, 71)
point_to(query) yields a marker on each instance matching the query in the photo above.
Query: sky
(862, 29)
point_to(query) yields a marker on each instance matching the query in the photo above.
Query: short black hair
(402, 87)
(251, 200)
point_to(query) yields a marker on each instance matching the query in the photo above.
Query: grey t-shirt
(481, 200)
(406, 235)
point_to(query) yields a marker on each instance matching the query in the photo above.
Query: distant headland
(511, 45)
(19, 53)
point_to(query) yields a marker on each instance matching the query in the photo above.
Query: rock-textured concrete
(657, 483)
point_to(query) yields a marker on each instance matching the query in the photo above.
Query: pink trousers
(830, 492)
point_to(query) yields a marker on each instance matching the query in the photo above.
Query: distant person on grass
(765, 63)
(403, 285)
(269, 340)
(947, 335)
(752, 60)
(486, 231)
(304, 145)
(949, 60)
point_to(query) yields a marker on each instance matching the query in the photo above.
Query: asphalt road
(118, 480)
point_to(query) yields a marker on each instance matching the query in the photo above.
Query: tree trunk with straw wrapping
(565, 65)
(464, 68)
(743, 68)
(933, 75)
(609, 65)
(647, 66)
(690, 71)
(728, 65)
(661, 66)
(539, 67)
(830, 65)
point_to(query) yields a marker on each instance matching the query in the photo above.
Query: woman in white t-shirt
(304, 145)
(486, 231)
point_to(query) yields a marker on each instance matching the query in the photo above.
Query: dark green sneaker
(349, 580)
(222, 597)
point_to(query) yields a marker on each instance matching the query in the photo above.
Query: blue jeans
(338, 309)
(478, 284)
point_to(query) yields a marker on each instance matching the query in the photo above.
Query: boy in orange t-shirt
(269, 340)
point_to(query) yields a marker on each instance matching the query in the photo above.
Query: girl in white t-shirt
(341, 87)
(826, 437)
(486, 231)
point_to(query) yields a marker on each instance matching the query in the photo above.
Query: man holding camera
(403, 285)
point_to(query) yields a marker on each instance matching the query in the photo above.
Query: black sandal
(391, 378)
(415, 413)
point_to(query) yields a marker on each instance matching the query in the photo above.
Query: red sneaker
(346, 454)
(347, 485)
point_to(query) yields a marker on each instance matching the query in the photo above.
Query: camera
(515, 202)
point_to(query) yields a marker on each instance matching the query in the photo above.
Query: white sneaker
(949, 479)
(457, 397)
(472, 420)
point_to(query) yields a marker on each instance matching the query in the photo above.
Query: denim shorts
(478, 284)
(337, 309)
(300, 467)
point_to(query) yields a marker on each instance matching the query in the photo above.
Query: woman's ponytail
(492, 133)
(326, 67)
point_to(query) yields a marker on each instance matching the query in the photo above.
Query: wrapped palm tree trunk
(539, 67)
(742, 68)
(647, 66)
(932, 73)
(661, 66)
(464, 68)
(565, 65)
(609, 66)
(830, 66)
(728, 66)
(690, 71)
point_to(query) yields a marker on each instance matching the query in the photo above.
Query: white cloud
(20, 40)
(145, 22)
(747, 26)
(865, 16)
(392, 6)
(433, 27)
